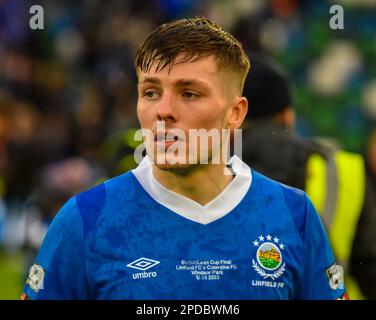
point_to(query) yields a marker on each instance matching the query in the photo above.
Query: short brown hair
(195, 38)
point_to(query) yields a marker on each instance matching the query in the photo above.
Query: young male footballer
(182, 225)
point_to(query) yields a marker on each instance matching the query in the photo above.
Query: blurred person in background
(57, 182)
(370, 154)
(334, 179)
(22, 148)
(363, 260)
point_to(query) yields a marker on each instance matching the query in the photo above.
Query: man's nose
(166, 110)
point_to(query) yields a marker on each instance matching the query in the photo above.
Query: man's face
(193, 95)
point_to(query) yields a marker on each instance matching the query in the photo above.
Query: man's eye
(190, 95)
(150, 95)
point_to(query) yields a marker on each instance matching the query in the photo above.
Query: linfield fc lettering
(269, 284)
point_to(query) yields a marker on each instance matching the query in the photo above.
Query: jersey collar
(220, 206)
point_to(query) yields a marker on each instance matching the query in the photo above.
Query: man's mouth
(169, 136)
(166, 138)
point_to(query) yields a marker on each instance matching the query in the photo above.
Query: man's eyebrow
(152, 80)
(178, 83)
(191, 82)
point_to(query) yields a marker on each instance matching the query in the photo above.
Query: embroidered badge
(36, 277)
(335, 276)
(269, 260)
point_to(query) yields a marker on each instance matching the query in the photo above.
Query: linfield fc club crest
(268, 262)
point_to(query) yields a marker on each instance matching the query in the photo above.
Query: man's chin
(178, 164)
(178, 167)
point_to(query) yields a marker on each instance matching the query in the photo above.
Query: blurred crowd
(68, 92)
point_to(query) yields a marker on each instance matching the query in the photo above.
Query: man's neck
(203, 184)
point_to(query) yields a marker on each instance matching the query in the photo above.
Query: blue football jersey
(132, 238)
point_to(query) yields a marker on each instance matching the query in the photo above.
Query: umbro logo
(142, 264)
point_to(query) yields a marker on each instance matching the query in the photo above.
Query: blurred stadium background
(68, 93)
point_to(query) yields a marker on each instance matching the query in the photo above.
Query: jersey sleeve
(59, 270)
(322, 278)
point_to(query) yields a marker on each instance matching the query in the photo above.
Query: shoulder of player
(274, 185)
(288, 192)
(93, 202)
(121, 185)
(294, 199)
(89, 203)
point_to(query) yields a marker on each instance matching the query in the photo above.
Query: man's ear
(237, 113)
